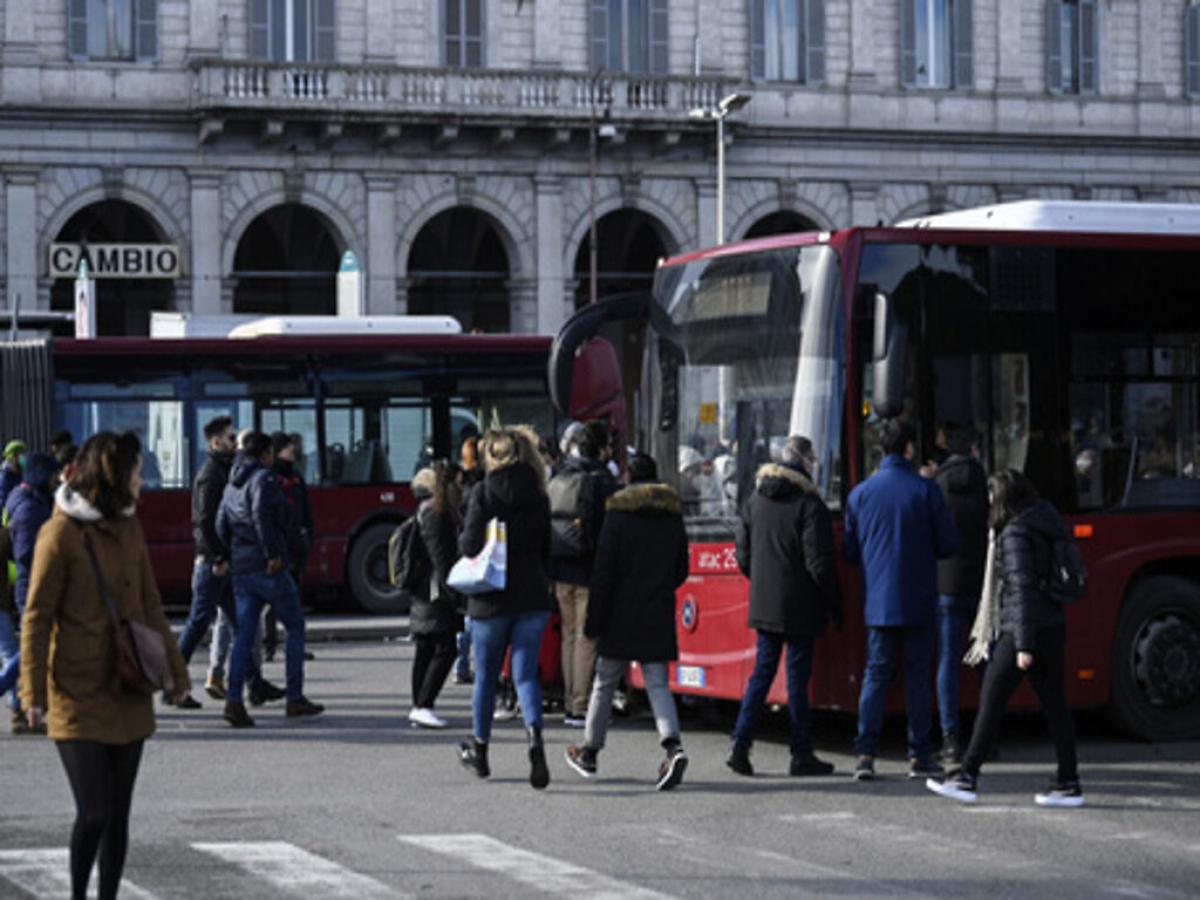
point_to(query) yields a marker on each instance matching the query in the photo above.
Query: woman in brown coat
(68, 655)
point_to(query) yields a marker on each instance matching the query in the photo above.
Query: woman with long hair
(1030, 636)
(68, 648)
(513, 491)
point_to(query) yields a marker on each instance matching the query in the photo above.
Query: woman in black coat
(435, 614)
(514, 492)
(1032, 639)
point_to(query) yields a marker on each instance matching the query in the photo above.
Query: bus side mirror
(889, 358)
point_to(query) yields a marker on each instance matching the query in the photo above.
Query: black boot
(473, 755)
(539, 774)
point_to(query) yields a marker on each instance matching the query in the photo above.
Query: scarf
(986, 629)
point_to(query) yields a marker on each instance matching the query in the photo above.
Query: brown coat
(68, 655)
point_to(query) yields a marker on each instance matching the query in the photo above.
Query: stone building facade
(446, 142)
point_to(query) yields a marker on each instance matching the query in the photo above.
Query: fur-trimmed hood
(79, 508)
(775, 480)
(658, 499)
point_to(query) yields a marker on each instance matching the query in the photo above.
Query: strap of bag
(104, 592)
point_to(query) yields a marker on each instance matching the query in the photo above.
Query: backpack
(1067, 581)
(409, 565)
(571, 494)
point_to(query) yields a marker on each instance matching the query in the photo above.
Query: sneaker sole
(1058, 802)
(215, 693)
(943, 789)
(864, 776)
(674, 774)
(578, 768)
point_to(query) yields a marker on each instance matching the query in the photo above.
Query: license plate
(690, 676)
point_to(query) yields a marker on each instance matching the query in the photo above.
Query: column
(706, 211)
(203, 30)
(381, 245)
(206, 242)
(381, 47)
(864, 204)
(523, 306)
(21, 213)
(1150, 48)
(21, 55)
(552, 311)
(862, 44)
(708, 27)
(1010, 79)
(547, 35)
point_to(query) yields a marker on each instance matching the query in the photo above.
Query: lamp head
(699, 113)
(733, 102)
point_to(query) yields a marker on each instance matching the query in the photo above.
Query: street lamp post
(726, 105)
(600, 81)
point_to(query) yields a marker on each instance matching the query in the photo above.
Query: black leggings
(1047, 677)
(431, 664)
(102, 778)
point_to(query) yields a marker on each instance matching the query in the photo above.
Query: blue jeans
(766, 664)
(954, 619)
(462, 662)
(490, 637)
(882, 644)
(10, 659)
(209, 592)
(252, 592)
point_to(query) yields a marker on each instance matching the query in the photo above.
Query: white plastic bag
(489, 570)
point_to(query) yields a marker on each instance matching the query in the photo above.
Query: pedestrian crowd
(948, 556)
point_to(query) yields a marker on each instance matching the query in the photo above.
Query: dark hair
(217, 426)
(959, 438)
(1011, 493)
(103, 469)
(280, 440)
(256, 444)
(897, 434)
(62, 438)
(447, 496)
(593, 438)
(65, 455)
(641, 468)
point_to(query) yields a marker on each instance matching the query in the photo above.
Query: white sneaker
(426, 718)
(1068, 795)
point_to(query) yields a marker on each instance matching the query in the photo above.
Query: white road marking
(46, 874)
(543, 873)
(290, 868)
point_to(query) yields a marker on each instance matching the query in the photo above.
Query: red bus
(369, 410)
(1067, 334)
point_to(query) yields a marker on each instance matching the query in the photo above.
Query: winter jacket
(1023, 559)
(641, 558)
(514, 495)
(29, 508)
(964, 486)
(785, 548)
(68, 653)
(299, 519)
(897, 528)
(601, 485)
(252, 518)
(207, 491)
(9, 479)
(436, 609)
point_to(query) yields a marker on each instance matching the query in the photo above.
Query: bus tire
(1156, 660)
(366, 573)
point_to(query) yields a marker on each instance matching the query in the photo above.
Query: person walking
(960, 577)
(513, 491)
(435, 616)
(299, 529)
(1032, 637)
(252, 522)
(641, 558)
(897, 527)
(578, 493)
(785, 548)
(98, 726)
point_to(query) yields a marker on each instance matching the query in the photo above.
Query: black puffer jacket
(964, 483)
(641, 558)
(1023, 561)
(514, 495)
(436, 609)
(207, 492)
(785, 548)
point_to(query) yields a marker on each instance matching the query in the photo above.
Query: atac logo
(689, 614)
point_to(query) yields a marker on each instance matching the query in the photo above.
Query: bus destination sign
(116, 260)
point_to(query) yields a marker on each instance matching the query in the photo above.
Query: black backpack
(1067, 581)
(571, 494)
(409, 565)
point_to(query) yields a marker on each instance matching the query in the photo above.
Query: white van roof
(1069, 215)
(324, 326)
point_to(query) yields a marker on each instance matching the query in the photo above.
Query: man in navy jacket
(897, 528)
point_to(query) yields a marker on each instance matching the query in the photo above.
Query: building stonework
(382, 139)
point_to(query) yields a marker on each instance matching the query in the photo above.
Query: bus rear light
(1083, 532)
(1087, 674)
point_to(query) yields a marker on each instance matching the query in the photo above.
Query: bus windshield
(743, 351)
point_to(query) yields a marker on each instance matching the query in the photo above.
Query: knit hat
(14, 448)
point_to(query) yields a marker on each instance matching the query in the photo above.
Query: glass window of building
(629, 36)
(936, 44)
(1072, 46)
(787, 40)
(113, 29)
(1191, 30)
(462, 33)
(292, 30)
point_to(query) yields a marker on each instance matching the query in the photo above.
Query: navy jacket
(29, 508)
(252, 518)
(8, 480)
(897, 528)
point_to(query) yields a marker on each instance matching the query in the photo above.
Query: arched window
(286, 264)
(458, 267)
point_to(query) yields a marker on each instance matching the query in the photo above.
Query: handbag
(142, 663)
(489, 570)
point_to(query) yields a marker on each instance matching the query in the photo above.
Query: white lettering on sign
(116, 260)
(715, 559)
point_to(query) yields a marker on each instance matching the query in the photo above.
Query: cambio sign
(116, 260)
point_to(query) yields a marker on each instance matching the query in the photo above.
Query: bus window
(377, 428)
(297, 418)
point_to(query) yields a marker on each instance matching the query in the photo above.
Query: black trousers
(432, 663)
(102, 778)
(1048, 679)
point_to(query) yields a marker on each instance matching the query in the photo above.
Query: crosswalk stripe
(292, 869)
(46, 874)
(544, 873)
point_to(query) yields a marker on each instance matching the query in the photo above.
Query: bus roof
(1069, 216)
(188, 348)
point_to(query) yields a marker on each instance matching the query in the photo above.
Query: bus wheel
(1156, 660)
(366, 571)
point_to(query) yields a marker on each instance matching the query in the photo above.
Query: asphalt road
(358, 805)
